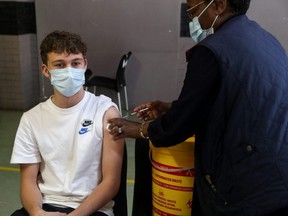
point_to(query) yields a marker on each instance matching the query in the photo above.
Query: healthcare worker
(235, 101)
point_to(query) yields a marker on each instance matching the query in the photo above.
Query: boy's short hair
(60, 42)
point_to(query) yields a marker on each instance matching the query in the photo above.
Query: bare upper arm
(112, 149)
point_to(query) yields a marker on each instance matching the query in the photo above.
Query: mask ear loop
(214, 21)
(205, 8)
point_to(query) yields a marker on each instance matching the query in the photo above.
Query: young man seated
(69, 163)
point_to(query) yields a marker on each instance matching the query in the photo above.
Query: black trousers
(49, 208)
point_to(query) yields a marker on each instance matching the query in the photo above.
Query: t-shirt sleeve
(25, 148)
(104, 104)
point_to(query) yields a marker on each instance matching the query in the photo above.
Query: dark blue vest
(243, 160)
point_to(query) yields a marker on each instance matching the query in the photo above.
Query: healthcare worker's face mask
(196, 32)
(68, 81)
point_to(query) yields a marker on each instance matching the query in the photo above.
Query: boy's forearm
(96, 200)
(31, 199)
(30, 194)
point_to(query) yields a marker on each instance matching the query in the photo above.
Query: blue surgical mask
(196, 32)
(68, 81)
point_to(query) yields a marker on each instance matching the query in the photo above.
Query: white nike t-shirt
(68, 143)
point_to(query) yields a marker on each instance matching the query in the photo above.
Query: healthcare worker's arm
(152, 110)
(188, 114)
(112, 157)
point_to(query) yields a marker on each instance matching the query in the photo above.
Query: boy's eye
(76, 63)
(59, 65)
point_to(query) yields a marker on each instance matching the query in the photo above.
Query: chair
(114, 84)
(88, 74)
(120, 207)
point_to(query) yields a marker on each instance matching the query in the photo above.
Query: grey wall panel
(273, 16)
(150, 29)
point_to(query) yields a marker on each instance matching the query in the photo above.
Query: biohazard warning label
(172, 194)
(170, 207)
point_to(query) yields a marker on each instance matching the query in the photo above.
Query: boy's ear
(45, 71)
(86, 62)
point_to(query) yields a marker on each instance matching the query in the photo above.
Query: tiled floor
(9, 174)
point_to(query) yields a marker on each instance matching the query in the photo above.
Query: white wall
(148, 28)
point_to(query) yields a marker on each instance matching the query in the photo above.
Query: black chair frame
(116, 84)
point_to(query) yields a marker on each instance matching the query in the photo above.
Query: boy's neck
(67, 102)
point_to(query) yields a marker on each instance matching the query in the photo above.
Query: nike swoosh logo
(86, 124)
(83, 131)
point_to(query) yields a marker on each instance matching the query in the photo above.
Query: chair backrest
(88, 74)
(120, 74)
